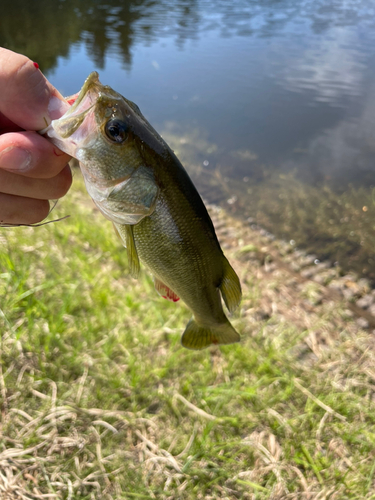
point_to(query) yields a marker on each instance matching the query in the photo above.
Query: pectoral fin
(230, 287)
(127, 237)
(118, 234)
(165, 291)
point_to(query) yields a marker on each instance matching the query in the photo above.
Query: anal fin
(165, 291)
(230, 287)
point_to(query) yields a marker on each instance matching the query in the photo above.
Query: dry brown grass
(99, 401)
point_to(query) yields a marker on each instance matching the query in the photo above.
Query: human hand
(32, 170)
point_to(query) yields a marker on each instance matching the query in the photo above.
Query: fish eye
(116, 131)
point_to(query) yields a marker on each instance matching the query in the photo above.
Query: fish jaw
(139, 184)
(76, 127)
(123, 190)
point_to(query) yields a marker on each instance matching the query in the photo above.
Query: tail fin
(198, 337)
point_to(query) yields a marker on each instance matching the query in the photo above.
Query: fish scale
(138, 183)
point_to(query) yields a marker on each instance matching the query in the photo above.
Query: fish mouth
(76, 126)
(91, 82)
(85, 101)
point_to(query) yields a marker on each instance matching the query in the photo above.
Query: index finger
(28, 99)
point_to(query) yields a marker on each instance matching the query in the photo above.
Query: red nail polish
(36, 65)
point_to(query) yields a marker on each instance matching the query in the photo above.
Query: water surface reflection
(273, 99)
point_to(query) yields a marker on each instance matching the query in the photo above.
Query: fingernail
(15, 158)
(57, 107)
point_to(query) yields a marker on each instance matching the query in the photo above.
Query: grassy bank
(99, 400)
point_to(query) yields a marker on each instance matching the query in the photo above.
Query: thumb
(26, 96)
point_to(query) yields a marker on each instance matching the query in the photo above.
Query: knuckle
(25, 67)
(24, 71)
(30, 81)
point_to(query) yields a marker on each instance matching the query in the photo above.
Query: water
(270, 104)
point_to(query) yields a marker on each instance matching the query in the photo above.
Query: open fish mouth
(84, 102)
(74, 126)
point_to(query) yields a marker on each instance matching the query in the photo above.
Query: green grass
(100, 401)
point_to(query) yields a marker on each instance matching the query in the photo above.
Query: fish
(138, 183)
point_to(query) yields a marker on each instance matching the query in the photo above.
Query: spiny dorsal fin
(125, 232)
(230, 287)
(198, 337)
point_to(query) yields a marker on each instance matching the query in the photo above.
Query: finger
(27, 98)
(40, 189)
(20, 210)
(7, 125)
(31, 155)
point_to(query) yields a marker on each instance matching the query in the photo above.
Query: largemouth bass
(138, 183)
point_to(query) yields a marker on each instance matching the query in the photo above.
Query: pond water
(269, 104)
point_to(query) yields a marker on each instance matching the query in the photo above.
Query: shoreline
(272, 256)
